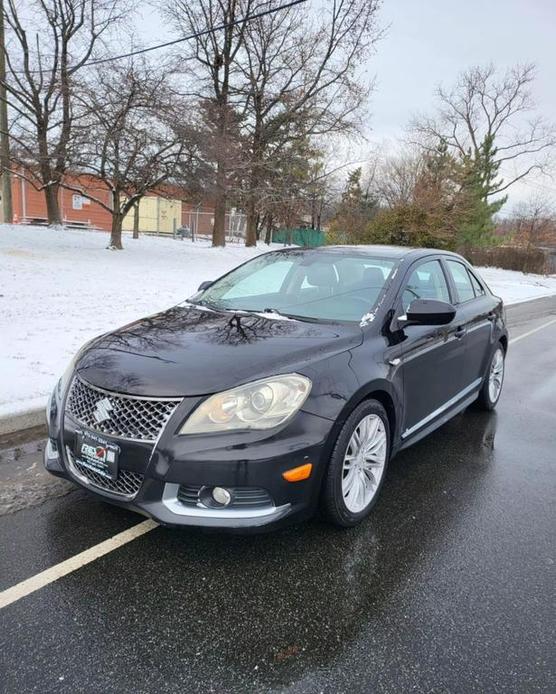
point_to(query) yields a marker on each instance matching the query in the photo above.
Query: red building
(29, 206)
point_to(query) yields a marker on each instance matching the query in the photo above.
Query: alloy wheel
(496, 375)
(364, 463)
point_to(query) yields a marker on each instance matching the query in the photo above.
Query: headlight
(65, 379)
(259, 405)
(63, 383)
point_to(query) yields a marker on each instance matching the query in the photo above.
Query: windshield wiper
(219, 307)
(208, 303)
(292, 316)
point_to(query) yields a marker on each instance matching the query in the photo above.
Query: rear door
(432, 356)
(474, 316)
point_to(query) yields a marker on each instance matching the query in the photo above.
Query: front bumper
(251, 460)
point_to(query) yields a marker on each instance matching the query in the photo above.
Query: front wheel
(357, 465)
(492, 386)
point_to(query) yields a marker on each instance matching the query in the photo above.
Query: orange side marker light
(296, 474)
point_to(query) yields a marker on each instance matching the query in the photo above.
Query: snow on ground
(515, 287)
(60, 288)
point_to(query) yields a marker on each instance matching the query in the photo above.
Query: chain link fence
(199, 224)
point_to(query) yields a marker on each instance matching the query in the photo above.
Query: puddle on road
(21, 451)
(23, 480)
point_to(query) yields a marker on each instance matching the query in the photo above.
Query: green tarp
(299, 237)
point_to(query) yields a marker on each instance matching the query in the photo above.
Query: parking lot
(448, 585)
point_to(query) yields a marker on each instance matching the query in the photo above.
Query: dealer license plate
(97, 454)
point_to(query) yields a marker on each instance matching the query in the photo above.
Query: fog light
(221, 496)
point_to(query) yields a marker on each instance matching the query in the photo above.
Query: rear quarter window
(477, 285)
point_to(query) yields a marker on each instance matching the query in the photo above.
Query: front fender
(349, 378)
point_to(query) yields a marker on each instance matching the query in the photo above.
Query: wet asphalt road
(447, 587)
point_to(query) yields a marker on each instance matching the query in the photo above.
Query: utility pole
(4, 138)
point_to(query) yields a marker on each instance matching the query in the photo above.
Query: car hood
(192, 351)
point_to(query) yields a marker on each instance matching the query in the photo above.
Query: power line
(198, 34)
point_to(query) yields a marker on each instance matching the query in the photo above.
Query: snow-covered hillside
(60, 288)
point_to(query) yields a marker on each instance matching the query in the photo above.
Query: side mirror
(429, 312)
(205, 285)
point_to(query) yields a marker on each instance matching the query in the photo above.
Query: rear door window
(462, 281)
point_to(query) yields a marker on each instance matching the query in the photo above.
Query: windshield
(316, 285)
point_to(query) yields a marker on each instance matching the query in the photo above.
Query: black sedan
(282, 387)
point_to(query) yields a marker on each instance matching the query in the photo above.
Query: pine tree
(478, 176)
(355, 210)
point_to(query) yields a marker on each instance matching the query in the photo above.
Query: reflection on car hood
(192, 351)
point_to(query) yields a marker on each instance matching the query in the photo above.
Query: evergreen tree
(356, 209)
(478, 175)
(426, 217)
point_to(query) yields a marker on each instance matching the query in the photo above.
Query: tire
(493, 380)
(347, 500)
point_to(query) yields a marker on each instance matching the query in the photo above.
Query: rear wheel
(492, 385)
(357, 465)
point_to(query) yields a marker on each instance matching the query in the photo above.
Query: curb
(28, 419)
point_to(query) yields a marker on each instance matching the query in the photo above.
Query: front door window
(426, 282)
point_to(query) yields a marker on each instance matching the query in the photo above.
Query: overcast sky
(428, 42)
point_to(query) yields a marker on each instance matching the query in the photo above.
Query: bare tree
(485, 111)
(210, 61)
(395, 178)
(299, 188)
(48, 43)
(301, 83)
(534, 222)
(195, 171)
(126, 139)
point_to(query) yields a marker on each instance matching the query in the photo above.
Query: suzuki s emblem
(102, 410)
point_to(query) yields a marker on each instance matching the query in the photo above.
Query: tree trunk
(117, 220)
(116, 232)
(219, 229)
(254, 181)
(259, 227)
(251, 224)
(52, 205)
(136, 220)
(268, 235)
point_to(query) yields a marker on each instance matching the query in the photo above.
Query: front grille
(126, 416)
(242, 497)
(127, 483)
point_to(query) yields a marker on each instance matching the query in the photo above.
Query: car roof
(377, 251)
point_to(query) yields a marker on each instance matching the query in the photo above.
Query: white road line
(20, 590)
(532, 332)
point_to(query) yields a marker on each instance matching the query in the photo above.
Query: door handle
(460, 332)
